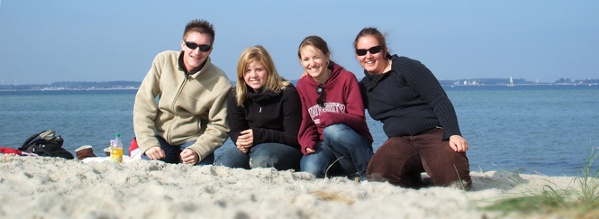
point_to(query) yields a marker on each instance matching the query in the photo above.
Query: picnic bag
(46, 144)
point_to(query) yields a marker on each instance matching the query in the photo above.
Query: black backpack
(46, 144)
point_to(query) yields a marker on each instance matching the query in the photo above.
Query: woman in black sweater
(264, 116)
(418, 119)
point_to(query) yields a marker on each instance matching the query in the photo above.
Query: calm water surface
(544, 129)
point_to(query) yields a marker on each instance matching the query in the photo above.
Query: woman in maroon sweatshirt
(333, 127)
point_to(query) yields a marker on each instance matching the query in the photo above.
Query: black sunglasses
(372, 50)
(320, 92)
(193, 46)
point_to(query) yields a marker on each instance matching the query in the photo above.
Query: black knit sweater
(273, 117)
(409, 100)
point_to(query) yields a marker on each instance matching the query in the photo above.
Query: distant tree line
(83, 85)
(107, 84)
(75, 85)
(504, 81)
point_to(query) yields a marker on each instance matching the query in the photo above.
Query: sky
(112, 40)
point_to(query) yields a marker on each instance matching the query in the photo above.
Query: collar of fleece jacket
(263, 96)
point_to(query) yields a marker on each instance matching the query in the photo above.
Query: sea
(534, 129)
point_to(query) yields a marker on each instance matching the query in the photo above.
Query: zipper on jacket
(260, 122)
(170, 128)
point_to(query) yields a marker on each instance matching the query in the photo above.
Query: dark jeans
(342, 146)
(173, 153)
(264, 155)
(401, 160)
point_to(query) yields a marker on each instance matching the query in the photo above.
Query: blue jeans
(173, 153)
(341, 145)
(264, 155)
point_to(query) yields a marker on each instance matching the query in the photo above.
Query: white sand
(56, 188)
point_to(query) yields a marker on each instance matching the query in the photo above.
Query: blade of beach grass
(580, 199)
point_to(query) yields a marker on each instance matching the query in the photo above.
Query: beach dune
(40, 187)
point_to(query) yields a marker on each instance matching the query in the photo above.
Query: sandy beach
(39, 187)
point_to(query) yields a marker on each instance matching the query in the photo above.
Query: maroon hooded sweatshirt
(343, 104)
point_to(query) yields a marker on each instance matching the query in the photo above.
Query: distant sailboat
(511, 84)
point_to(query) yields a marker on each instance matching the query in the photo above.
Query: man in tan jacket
(180, 109)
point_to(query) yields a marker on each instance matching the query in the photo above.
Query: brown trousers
(401, 160)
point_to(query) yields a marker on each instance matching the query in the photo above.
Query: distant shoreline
(133, 85)
(39, 88)
(515, 85)
(72, 89)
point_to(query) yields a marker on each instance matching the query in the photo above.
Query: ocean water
(529, 129)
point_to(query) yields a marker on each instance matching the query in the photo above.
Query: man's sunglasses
(320, 92)
(372, 50)
(193, 46)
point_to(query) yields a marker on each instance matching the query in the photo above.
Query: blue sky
(107, 40)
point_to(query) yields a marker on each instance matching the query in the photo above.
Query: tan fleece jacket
(187, 108)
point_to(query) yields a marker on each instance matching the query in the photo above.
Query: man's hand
(189, 156)
(155, 153)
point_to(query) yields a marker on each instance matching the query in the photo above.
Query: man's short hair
(200, 26)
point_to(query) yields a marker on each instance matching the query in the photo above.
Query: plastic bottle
(116, 149)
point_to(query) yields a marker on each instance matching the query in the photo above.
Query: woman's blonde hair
(274, 81)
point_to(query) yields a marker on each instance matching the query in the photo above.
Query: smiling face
(255, 75)
(195, 58)
(372, 63)
(315, 62)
